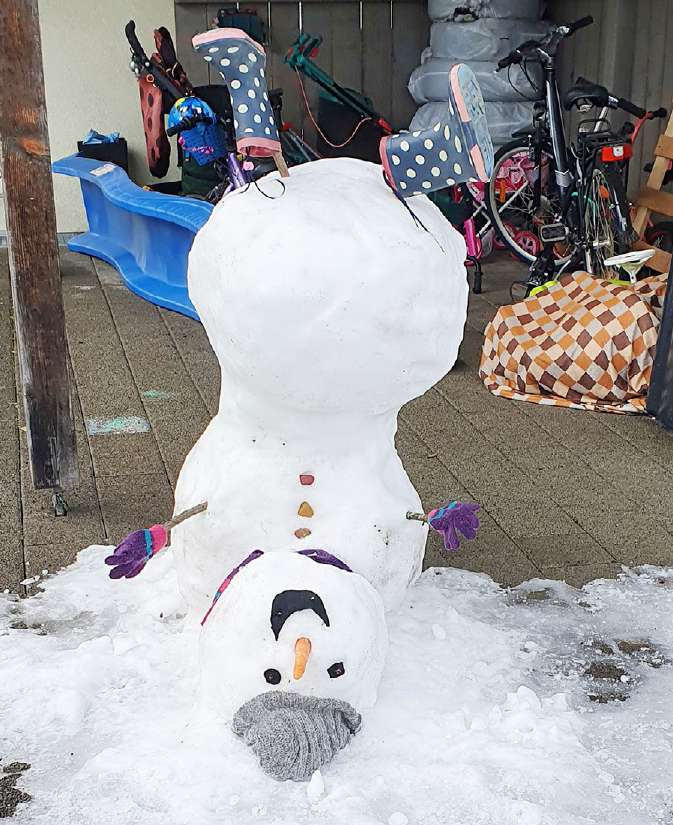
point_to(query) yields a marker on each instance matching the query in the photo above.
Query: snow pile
(483, 715)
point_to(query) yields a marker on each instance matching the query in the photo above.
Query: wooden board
(316, 19)
(284, 27)
(33, 250)
(411, 33)
(377, 57)
(191, 20)
(660, 261)
(664, 147)
(650, 198)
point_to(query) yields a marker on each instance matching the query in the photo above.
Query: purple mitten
(453, 518)
(133, 553)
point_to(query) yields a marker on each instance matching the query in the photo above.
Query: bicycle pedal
(553, 233)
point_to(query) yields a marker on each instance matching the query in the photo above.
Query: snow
(489, 723)
(330, 310)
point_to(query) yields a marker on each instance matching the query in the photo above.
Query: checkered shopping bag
(582, 343)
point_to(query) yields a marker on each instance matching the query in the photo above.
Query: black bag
(660, 395)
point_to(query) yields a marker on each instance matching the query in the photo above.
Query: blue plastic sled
(145, 235)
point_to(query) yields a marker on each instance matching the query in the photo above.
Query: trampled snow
(483, 714)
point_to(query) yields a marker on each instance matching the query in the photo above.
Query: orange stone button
(305, 510)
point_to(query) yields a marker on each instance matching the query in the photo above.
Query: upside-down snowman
(330, 302)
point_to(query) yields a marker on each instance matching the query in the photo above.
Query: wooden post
(33, 249)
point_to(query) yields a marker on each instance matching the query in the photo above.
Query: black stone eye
(336, 670)
(272, 676)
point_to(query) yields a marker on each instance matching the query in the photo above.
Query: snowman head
(323, 294)
(296, 623)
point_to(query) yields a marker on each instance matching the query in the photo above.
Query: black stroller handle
(134, 43)
(147, 67)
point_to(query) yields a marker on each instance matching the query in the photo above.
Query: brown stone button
(302, 533)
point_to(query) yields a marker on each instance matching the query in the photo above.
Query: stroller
(203, 119)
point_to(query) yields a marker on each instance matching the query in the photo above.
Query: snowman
(329, 304)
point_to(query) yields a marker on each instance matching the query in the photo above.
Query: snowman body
(328, 307)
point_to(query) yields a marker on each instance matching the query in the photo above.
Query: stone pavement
(565, 494)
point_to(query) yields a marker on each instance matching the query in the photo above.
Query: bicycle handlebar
(631, 108)
(582, 23)
(187, 123)
(559, 32)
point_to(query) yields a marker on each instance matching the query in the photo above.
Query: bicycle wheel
(510, 202)
(606, 218)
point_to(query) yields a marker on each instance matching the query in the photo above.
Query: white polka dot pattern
(241, 63)
(454, 150)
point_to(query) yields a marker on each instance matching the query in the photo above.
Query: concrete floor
(565, 494)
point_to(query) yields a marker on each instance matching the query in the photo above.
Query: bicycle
(555, 203)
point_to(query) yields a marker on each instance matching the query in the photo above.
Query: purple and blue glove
(453, 518)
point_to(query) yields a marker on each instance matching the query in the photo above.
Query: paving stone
(173, 406)
(200, 360)
(434, 482)
(578, 575)
(82, 525)
(50, 557)
(563, 549)
(501, 560)
(128, 503)
(12, 570)
(104, 380)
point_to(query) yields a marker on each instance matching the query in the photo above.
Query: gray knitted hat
(294, 735)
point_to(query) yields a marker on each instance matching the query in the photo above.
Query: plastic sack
(430, 81)
(503, 118)
(503, 9)
(485, 39)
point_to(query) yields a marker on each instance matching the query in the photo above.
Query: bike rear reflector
(553, 233)
(613, 154)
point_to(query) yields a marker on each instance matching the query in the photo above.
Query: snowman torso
(328, 308)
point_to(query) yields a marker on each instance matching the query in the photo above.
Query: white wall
(88, 83)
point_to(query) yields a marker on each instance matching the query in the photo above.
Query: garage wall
(369, 45)
(88, 83)
(629, 49)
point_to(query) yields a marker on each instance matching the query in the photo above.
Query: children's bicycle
(554, 204)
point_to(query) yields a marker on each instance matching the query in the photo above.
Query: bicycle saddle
(585, 91)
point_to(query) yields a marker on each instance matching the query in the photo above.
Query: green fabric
(454, 212)
(198, 180)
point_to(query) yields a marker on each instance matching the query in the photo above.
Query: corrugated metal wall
(629, 49)
(369, 45)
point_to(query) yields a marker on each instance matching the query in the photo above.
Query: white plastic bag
(503, 118)
(486, 39)
(430, 82)
(507, 9)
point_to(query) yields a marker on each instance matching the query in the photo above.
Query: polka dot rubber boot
(242, 62)
(454, 150)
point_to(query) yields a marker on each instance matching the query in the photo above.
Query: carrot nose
(302, 650)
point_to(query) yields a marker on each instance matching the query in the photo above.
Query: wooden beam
(664, 147)
(656, 201)
(660, 261)
(33, 249)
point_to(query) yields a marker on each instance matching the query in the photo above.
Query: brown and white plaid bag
(582, 343)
